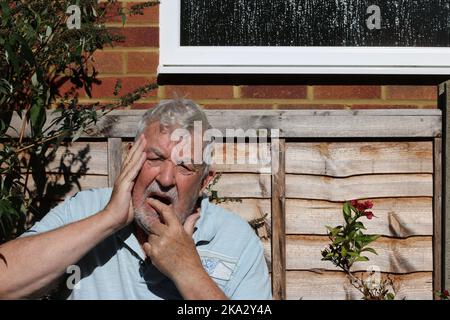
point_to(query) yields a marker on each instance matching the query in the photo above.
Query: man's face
(160, 179)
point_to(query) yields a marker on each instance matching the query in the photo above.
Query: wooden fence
(321, 159)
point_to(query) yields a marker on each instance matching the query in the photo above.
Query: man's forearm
(199, 286)
(29, 264)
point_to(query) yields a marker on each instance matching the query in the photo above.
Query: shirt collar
(206, 225)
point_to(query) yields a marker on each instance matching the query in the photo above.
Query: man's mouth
(162, 198)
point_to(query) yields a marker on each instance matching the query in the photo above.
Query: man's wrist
(109, 222)
(198, 285)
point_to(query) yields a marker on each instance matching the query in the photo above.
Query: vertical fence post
(114, 159)
(437, 216)
(278, 219)
(444, 105)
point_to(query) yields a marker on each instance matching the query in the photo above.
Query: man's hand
(172, 250)
(170, 245)
(119, 207)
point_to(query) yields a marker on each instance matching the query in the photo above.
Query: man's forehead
(159, 139)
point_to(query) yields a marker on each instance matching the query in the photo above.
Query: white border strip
(290, 60)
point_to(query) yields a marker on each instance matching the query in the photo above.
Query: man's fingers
(131, 173)
(135, 163)
(165, 211)
(147, 246)
(133, 149)
(189, 224)
(152, 239)
(157, 228)
(147, 249)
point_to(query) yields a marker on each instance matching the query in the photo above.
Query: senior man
(153, 236)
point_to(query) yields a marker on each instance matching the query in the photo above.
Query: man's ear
(207, 179)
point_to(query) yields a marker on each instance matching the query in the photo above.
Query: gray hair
(179, 113)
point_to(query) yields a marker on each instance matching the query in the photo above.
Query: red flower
(368, 204)
(445, 293)
(369, 214)
(362, 206)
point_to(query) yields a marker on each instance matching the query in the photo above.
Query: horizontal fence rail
(402, 123)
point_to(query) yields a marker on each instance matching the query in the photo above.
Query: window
(305, 37)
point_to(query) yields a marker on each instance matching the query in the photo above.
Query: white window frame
(176, 59)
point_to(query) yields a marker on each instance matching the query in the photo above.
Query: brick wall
(135, 62)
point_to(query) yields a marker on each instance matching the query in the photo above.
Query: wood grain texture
(60, 188)
(244, 185)
(234, 159)
(437, 217)
(395, 217)
(278, 220)
(115, 153)
(370, 186)
(342, 159)
(408, 123)
(394, 255)
(330, 285)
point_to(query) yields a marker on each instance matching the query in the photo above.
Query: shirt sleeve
(73, 209)
(251, 280)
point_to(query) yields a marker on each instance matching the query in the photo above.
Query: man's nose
(166, 176)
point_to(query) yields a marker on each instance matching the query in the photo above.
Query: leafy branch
(349, 244)
(39, 55)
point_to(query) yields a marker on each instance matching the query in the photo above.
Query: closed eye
(154, 161)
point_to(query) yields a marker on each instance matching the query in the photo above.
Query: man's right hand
(119, 207)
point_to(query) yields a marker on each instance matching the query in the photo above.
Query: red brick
(108, 62)
(137, 36)
(199, 92)
(71, 90)
(112, 12)
(106, 88)
(143, 62)
(347, 92)
(274, 92)
(412, 92)
(143, 106)
(238, 106)
(151, 14)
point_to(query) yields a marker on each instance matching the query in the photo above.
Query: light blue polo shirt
(230, 251)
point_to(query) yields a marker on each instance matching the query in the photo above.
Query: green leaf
(48, 31)
(34, 80)
(370, 238)
(37, 117)
(360, 225)
(3, 230)
(362, 259)
(25, 51)
(334, 231)
(369, 250)
(390, 296)
(5, 10)
(347, 212)
(352, 254)
(77, 134)
(117, 87)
